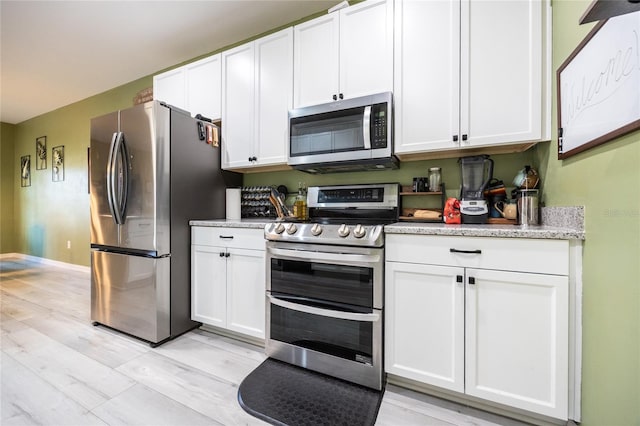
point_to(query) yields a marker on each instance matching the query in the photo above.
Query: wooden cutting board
(501, 221)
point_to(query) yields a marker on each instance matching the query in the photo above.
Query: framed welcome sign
(599, 86)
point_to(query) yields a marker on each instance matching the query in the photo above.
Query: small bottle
(300, 205)
(434, 179)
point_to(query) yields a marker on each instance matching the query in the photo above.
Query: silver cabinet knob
(343, 231)
(359, 231)
(316, 229)
(291, 229)
(279, 228)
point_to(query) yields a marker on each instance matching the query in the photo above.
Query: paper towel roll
(233, 203)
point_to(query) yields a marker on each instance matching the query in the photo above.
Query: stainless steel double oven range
(325, 283)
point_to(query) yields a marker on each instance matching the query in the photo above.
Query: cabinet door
(366, 48)
(501, 71)
(246, 292)
(169, 87)
(208, 285)
(424, 324)
(315, 73)
(517, 340)
(204, 86)
(427, 71)
(238, 90)
(274, 96)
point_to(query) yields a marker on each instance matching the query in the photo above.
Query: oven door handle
(324, 312)
(339, 258)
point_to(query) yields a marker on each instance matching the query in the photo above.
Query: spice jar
(434, 179)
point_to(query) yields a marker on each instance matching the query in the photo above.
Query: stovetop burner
(342, 215)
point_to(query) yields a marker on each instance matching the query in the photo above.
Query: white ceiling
(54, 53)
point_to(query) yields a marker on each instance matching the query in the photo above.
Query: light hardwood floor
(58, 369)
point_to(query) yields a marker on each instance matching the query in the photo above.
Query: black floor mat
(283, 394)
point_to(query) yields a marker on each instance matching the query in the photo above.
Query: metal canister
(435, 178)
(528, 207)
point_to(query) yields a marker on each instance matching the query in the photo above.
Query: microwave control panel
(379, 126)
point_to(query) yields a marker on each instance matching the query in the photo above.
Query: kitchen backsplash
(506, 168)
(564, 217)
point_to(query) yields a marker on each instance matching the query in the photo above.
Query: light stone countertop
(233, 223)
(500, 231)
(560, 223)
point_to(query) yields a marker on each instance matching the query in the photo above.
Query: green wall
(47, 214)
(605, 180)
(6, 187)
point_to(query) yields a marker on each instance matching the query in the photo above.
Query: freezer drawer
(131, 294)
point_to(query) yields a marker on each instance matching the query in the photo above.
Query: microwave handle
(366, 127)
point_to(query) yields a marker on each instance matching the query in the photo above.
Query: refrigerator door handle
(124, 182)
(111, 178)
(118, 178)
(121, 192)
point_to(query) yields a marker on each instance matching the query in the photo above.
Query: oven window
(350, 285)
(328, 132)
(352, 340)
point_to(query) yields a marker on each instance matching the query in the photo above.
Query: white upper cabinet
(238, 91)
(203, 81)
(427, 74)
(366, 48)
(274, 96)
(345, 54)
(501, 71)
(194, 87)
(316, 70)
(257, 86)
(470, 74)
(168, 87)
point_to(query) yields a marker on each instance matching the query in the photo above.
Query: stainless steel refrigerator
(151, 171)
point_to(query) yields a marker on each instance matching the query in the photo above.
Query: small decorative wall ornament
(25, 170)
(57, 163)
(41, 153)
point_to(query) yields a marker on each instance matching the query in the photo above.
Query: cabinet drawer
(228, 237)
(508, 254)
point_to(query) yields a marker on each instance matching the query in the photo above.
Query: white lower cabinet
(462, 325)
(228, 279)
(208, 285)
(424, 311)
(516, 340)
(246, 292)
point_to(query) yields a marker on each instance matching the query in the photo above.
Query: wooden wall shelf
(407, 214)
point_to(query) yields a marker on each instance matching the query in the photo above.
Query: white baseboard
(44, 261)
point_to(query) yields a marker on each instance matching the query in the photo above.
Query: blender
(477, 171)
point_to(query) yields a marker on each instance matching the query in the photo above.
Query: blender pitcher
(477, 171)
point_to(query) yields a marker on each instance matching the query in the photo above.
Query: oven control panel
(317, 233)
(367, 196)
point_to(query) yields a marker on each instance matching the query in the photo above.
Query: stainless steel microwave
(347, 135)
